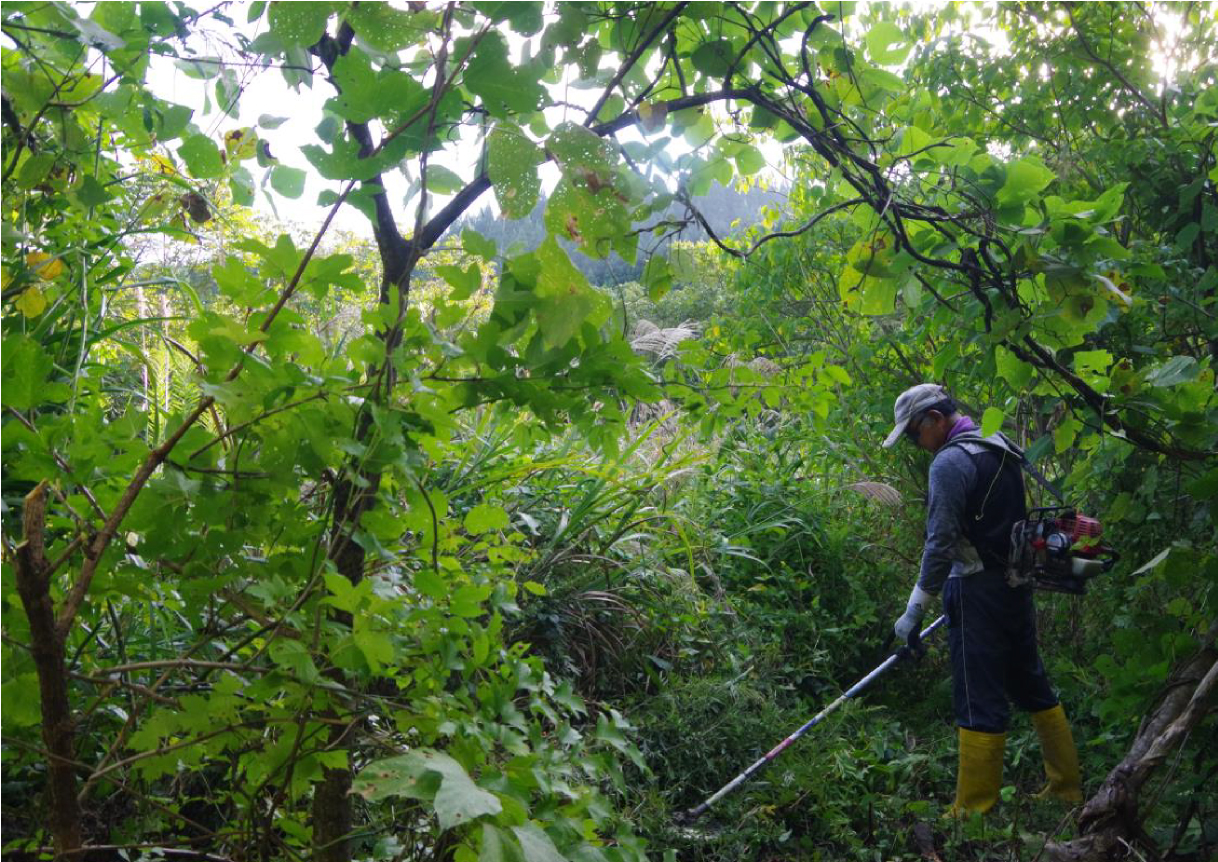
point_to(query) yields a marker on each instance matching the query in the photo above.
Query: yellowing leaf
(160, 163)
(43, 265)
(241, 143)
(652, 116)
(32, 302)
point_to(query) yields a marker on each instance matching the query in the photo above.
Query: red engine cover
(1078, 526)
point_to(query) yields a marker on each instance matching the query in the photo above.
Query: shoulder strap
(1004, 445)
(1040, 477)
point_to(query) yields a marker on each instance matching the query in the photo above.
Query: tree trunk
(47, 647)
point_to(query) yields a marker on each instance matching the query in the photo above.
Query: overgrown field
(451, 431)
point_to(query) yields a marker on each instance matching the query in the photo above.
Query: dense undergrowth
(427, 547)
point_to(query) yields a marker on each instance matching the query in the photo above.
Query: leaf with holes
(512, 160)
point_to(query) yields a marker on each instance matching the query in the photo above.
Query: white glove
(919, 602)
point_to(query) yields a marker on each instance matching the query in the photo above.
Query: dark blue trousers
(992, 638)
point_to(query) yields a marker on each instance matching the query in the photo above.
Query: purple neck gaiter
(964, 423)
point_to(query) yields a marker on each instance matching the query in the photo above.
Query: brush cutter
(694, 813)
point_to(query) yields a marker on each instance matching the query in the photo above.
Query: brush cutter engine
(1057, 549)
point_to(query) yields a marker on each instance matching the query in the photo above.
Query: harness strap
(1012, 449)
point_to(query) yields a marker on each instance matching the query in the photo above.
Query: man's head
(925, 414)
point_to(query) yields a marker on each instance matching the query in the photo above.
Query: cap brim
(896, 434)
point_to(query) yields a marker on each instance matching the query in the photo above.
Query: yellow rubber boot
(979, 775)
(1061, 757)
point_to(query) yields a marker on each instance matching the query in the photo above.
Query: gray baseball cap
(910, 403)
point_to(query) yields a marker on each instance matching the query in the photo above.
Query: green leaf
(388, 29)
(536, 844)
(836, 373)
(567, 300)
(1092, 361)
(91, 193)
(511, 164)
(484, 517)
(202, 157)
(879, 295)
(714, 58)
(289, 182)
(580, 151)
(503, 87)
(19, 699)
(749, 160)
(367, 93)
(887, 44)
(459, 800)
(268, 121)
(26, 367)
(376, 646)
(657, 276)
(468, 600)
(1025, 179)
(1011, 368)
(883, 79)
(404, 776)
(340, 164)
(298, 23)
(294, 657)
(496, 846)
(1178, 369)
(1065, 433)
(429, 583)
(442, 181)
(594, 219)
(991, 421)
(241, 186)
(464, 281)
(476, 244)
(34, 170)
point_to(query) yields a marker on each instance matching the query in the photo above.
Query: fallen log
(1110, 823)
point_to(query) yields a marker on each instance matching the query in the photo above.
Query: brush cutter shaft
(853, 691)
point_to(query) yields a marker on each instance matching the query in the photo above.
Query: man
(975, 495)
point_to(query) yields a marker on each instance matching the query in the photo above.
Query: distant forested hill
(728, 211)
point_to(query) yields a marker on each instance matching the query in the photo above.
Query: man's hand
(913, 646)
(907, 625)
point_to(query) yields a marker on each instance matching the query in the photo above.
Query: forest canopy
(534, 488)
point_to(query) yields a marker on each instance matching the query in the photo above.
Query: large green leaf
(388, 29)
(366, 93)
(202, 157)
(503, 87)
(567, 300)
(457, 800)
(1025, 179)
(511, 162)
(299, 23)
(536, 844)
(714, 58)
(1178, 369)
(26, 368)
(464, 281)
(581, 152)
(485, 517)
(289, 182)
(593, 219)
(887, 44)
